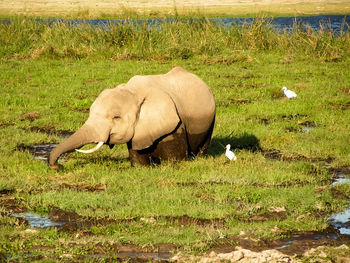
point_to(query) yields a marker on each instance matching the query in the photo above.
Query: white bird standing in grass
(289, 94)
(229, 153)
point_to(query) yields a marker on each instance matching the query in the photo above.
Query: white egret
(289, 94)
(229, 153)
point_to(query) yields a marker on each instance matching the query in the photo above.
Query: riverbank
(137, 8)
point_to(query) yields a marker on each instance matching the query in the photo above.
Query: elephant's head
(131, 112)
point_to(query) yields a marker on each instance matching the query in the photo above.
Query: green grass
(58, 71)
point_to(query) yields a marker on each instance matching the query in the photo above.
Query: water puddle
(38, 221)
(306, 126)
(306, 129)
(341, 179)
(339, 222)
(39, 151)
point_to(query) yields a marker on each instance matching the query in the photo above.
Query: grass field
(288, 150)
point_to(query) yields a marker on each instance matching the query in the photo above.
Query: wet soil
(31, 116)
(49, 130)
(296, 244)
(12, 204)
(274, 154)
(84, 187)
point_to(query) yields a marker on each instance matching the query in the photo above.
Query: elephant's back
(194, 99)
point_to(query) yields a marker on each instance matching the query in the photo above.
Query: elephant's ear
(158, 116)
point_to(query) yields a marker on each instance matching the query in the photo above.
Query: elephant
(160, 117)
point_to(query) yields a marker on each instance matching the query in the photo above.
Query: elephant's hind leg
(173, 147)
(203, 148)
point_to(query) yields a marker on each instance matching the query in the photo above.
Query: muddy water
(41, 151)
(306, 129)
(341, 221)
(38, 221)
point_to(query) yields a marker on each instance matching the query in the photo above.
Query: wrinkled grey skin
(159, 117)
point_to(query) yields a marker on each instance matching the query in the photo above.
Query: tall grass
(28, 38)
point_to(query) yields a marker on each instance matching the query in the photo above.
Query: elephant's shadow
(246, 141)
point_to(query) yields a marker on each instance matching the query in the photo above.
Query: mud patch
(259, 119)
(221, 60)
(232, 101)
(341, 105)
(119, 251)
(296, 244)
(83, 187)
(83, 110)
(186, 220)
(50, 131)
(7, 124)
(13, 204)
(93, 80)
(40, 151)
(277, 155)
(268, 216)
(199, 184)
(31, 116)
(293, 116)
(6, 192)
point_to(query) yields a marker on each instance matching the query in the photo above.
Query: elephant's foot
(138, 159)
(56, 166)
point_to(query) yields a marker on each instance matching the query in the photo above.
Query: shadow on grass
(246, 141)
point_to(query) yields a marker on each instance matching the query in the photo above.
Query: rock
(30, 231)
(238, 255)
(343, 260)
(150, 220)
(176, 257)
(226, 256)
(66, 255)
(343, 247)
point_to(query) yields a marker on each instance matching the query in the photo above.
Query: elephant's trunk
(85, 135)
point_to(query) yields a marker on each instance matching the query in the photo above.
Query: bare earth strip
(89, 8)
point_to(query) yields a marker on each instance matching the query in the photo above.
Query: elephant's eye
(116, 117)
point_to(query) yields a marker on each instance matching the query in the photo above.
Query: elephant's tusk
(98, 146)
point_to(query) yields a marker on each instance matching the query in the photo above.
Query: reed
(181, 38)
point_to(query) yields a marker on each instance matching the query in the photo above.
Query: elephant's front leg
(138, 158)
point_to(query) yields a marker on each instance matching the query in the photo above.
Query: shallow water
(341, 221)
(38, 221)
(41, 151)
(334, 23)
(341, 179)
(306, 129)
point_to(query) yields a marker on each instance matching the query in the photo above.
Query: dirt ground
(89, 8)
